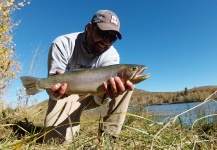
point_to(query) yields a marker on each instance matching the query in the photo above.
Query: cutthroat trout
(86, 81)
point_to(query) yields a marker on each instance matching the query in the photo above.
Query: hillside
(141, 97)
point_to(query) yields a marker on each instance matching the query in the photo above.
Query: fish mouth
(138, 77)
(143, 68)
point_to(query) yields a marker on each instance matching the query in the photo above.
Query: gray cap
(107, 20)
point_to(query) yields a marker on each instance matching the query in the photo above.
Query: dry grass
(140, 131)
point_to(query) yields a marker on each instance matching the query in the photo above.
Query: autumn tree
(9, 66)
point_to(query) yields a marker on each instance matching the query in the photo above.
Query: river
(165, 112)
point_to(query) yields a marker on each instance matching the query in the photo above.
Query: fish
(86, 81)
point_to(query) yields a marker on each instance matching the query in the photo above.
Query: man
(89, 49)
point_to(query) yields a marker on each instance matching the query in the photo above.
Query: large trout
(86, 81)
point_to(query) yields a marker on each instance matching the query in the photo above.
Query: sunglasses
(105, 34)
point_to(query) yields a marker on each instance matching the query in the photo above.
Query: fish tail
(31, 85)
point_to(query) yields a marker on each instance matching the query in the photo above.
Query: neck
(85, 45)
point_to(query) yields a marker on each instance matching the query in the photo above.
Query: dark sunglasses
(105, 34)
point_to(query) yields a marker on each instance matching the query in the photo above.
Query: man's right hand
(58, 90)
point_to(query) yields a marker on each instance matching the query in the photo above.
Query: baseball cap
(107, 20)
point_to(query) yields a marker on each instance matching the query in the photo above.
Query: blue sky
(176, 39)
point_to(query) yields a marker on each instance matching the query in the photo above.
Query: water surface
(168, 111)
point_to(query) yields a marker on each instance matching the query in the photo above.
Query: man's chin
(99, 51)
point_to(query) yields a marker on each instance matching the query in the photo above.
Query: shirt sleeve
(57, 57)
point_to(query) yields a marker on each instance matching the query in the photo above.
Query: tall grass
(140, 131)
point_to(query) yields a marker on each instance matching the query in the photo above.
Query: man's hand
(58, 90)
(115, 87)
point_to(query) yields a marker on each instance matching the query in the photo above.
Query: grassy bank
(21, 127)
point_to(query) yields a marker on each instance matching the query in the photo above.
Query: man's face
(99, 41)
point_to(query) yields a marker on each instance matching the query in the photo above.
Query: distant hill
(141, 97)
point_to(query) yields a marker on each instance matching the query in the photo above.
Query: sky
(176, 39)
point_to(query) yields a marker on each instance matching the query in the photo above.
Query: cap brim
(106, 26)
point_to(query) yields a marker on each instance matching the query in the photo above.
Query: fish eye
(134, 68)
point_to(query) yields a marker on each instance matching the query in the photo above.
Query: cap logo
(114, 20)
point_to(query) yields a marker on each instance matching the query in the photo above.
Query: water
(164, 113)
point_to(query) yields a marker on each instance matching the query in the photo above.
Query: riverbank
(141, 130)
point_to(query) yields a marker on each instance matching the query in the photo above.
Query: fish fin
(82, 97)
(31, 85)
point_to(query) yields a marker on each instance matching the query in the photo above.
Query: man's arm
(57, 62)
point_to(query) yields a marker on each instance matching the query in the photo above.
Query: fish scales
(86, 81)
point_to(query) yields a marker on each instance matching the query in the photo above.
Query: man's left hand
(115, 87)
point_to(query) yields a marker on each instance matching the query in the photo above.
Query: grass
(19, 129)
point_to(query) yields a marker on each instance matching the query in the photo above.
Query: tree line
(199, 94)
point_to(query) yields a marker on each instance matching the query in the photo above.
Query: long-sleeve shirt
(67, 53)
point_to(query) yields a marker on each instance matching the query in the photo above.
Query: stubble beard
(93, 46)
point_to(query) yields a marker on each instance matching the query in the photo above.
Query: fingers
(62, 89)
(129, 86)
(115, 87)
(58, 72)
(58, 90)
(55, 87)
(106, 89)
(120, 85)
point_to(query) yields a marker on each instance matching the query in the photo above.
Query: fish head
(133, 73)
